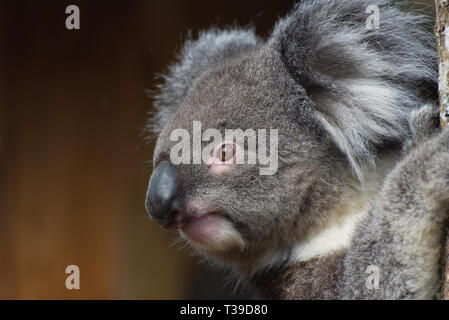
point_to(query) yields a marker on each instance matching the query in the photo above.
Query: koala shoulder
(402, 235)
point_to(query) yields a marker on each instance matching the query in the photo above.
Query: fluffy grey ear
(196, 56)
(364, 82)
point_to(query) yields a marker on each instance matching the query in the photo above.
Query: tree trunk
(442, 33)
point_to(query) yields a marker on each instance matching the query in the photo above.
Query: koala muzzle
(162, 198)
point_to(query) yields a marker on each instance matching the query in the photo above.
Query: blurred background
(74, 166)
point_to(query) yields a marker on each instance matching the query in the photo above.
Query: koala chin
(361, 186)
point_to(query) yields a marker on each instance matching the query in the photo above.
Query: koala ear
(363, 82)
(196, 56)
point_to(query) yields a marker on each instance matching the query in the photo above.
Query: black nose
(163, 193)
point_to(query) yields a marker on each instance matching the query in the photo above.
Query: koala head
(321, 98)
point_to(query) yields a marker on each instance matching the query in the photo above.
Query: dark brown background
(73, 170)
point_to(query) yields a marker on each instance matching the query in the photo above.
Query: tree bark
(442, 33)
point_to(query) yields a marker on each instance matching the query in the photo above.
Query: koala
(357, 205)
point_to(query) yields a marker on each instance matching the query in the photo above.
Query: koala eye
(224, 152)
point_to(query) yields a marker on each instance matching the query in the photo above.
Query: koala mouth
(204, 228)
(208, 230)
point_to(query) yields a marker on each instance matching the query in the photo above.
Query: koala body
(360, 185)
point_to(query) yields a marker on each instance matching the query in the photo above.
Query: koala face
(332, 91)
(223, 207)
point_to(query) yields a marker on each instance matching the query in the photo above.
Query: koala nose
(162, 198)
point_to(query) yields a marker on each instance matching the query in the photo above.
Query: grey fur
(403, 233)
(341, 97)
(211, 47)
